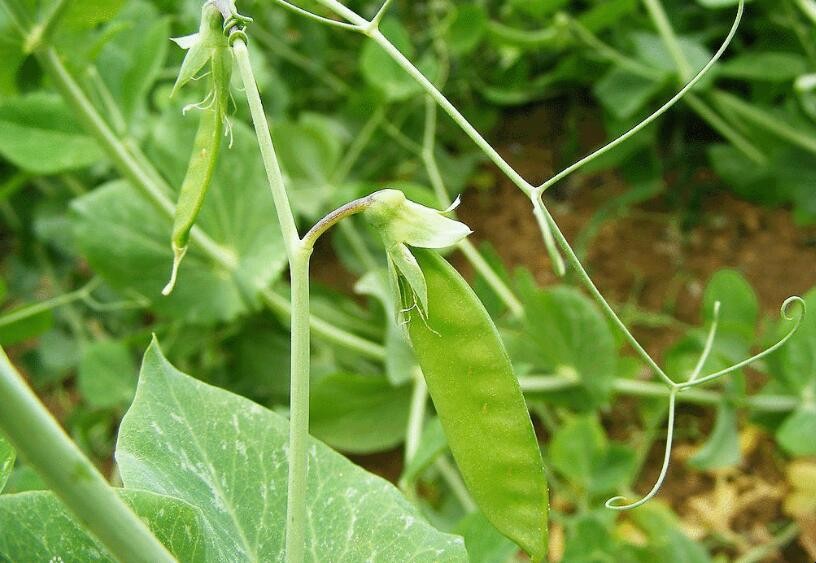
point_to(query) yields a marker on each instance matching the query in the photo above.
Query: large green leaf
(35, 526)
(39, 135)
(127, 240)
(227, 455)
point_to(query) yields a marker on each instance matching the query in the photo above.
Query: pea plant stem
(44, 445)
(299, 252)
(298, 408)
(270, 160)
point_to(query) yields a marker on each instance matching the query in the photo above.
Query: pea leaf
(227, 455)
(39, 135)
(566, 333)
(765, 66)
(359, 414)
(467, 29)
(797, 432)
(722, 449)
(739, 309)
(127, 241)
(35, 526)
(484, 542)
(107, 374)
(131, 61)
(431, 444)
(581, 452)
(624, 93)
(7, 457)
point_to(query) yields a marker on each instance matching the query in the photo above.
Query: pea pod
(195, 185)
(481, 407)
(207, 46)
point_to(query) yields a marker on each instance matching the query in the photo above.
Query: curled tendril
(785, 313)
(613, 502)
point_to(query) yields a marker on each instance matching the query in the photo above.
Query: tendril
(613, 502)
(786, 315)
(709, 344)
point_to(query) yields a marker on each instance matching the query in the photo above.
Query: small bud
(403, 223)
(400, 220)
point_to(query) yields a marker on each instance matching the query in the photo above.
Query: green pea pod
(481, 407)
(196, 183)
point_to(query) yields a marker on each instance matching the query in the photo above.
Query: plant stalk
(42, 443)
(298, 408)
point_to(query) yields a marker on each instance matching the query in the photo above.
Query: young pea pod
(207, 47)
(481, 406)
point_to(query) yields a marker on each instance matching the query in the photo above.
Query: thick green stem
(44, 445)
(298, 408)
(299, 253)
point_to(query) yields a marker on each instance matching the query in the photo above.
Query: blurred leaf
(431, 444)
(22, 479)
(7, 457)
(624, 93)
(484, 543)
(39, 134)
(467, 29)
(651, 49)
(666, 538)
(722, 449)
(23, 323)
(796, 435)
(739, 306)
(35, 526)
(566, 333)
(131, 61)
(227, 455)
(766, 66)
(359, 414)
(309, 151)
(90, 13)
(107, 374)
(575, 447)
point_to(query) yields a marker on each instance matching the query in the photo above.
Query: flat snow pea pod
(481, 407)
